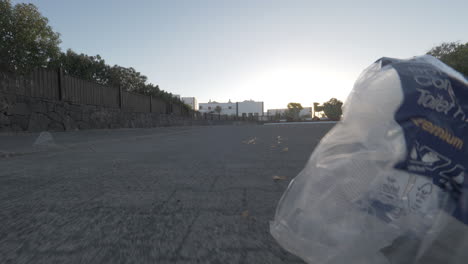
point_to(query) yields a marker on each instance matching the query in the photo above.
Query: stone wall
(23, 113)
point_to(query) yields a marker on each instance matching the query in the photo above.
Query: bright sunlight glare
(302, 84)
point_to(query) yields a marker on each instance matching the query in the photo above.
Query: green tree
(293, 111)
(128, 78)
(92, 68)
(332, 109)
(26, 39)
(28, 42)
(453, 54)
(151, 89)
(218, 109)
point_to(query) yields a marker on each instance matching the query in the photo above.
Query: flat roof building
(247, 108)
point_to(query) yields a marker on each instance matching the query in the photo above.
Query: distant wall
(24, 113)
(57, 86)
(250, 108)
(226, 108)
(47, 100)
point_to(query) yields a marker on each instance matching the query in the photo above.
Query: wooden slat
(45, 84)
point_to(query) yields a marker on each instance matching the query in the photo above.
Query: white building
(250, 108)
(306, 112)
(228, 108)
(247, 108)
(192, 101)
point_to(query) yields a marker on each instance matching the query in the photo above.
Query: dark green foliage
(332, 109)
(293, 111)
(453, 54)
(26, 39)
(28, 42)
(92, 68)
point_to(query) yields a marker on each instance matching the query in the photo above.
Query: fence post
(60, 84)
(120, 96)
(151, 103)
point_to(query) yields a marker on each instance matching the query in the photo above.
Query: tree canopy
(293, 111)
(332, 109)
(26, 39)
(453, 54)
(28, 42)
(93, 68)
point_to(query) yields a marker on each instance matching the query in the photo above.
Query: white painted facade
(250, 107)
(246, 107)
(192, 101)
(228, 108)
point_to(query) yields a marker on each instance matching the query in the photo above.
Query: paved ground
(166, 195)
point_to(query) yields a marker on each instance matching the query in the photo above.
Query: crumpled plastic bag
(387, 183)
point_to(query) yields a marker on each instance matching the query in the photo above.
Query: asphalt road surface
(164, 195)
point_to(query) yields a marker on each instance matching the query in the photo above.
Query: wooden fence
(133, 102)
(39, 83)
(158, 105)
(55, 85)
(80, 91)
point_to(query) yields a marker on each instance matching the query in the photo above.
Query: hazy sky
(271, 51)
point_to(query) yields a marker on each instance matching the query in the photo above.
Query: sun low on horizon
(275, 52)
(305, 84)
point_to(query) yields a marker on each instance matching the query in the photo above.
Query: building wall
(192, 101)
(250, 107)
(24, 113)
(239, 108)
(306, 111)
(226, 108)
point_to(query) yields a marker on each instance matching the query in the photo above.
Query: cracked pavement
(162, 195)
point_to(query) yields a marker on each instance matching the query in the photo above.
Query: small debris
(245, 213)
(250, 141)
(285, 149)
(4, 154)
(278, 178)
(44, 139)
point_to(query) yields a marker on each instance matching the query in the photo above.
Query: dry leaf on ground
(277, 178)
(250, 141)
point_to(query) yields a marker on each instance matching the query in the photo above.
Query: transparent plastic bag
(386, 184)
